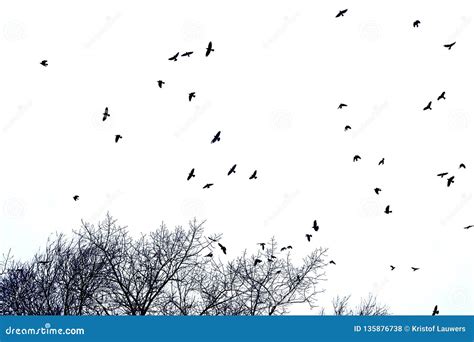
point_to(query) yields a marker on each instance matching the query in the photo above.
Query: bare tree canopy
(367, 307)
(102, 270)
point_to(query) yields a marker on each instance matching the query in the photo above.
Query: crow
(208, 185)
(209, 49)
(382, 161)
(449, 46)
(377, 190)
(341, 106)
(213, 240)
(392, 268)
(232, 170)
(341, 13)
(209, 255)
(254, 175)
(442, 174)
(174, 58)
(468, 227)
(308, 236)
(435, 311)
(283, 249)
(387, 210)
(356, 158)
(315, 225)
(160, 83)
(442, 96)
(223, 248)
(187, 54)
(262, 244)
(450, 180)
(347, 128)
(117, 137)
(289, 247)
(256, 262)
(332, 262)
(416, 23)
(75, 197)
(191, 174)
(191, 95)
(44, 63)
(428, 106)
(462, 166)
(217, 137)
(415, 269)
(105, 114)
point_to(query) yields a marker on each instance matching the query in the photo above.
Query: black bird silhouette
(160, 83)
(450, 180)
(44, 63)
(315, 225)
(428, 106)
(174, 58)
(217, 137)
(213, 240)
(262, 244)
(208, 185)
(308, 236)
(44, 262)
(270, 260)
(377, 190)
(415, 269)
(442, 96)
(442, 174)
(332, 262)
(416, 23)
(209, 49)
(387, 210)
(382, 161)
(392, 268)
(273, 257)
(462, 166)
(223, 248)
(191, 95)
(341, 106)
(232, 170)
(75, 197)
(468, 227)
(435, 311)
(105, 114)
(449, 46)
(117, 137)
(289, 247)
(209, 255)
(191, 174)
(347, 128)
(356, 158)
(341, 13)
(256, 262)
(254, 175)
(283, 249)
(187, 54)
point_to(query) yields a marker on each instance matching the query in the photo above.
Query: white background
(272, 87)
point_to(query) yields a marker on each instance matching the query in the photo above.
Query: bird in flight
(450, 180)
(315, 226)
(191, 174)
(347, 128)
(283, 249)
(256, 262)
(174, 58)
(387, 210)
(356, 158)
(462, 166)
(209, 49)
(309, 236)
(106, 114)
(382, 162)
(415, 269)
(332, 262)
(442, 174)
(377, 190)
(289, 247)
(223, 248)
(191, 95)
(187, 54)
(341, 13)
(416, 23)
(449, 46)
(117, 137)
(262, 244)
(341, 105)
(75, 197)
(44, 63)
(208, 185)
(213, 240)
(217, 137)
(435, 311)
(232, 170)
(209, 255)
(254, 175)
(160, 83)
(442, 96)
(468, 227)
(392, 268)
(428, 106)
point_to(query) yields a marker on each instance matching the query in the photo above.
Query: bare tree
(367, 307)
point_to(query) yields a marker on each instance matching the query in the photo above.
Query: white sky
(272, 87)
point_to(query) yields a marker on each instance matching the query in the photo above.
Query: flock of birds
(232, 170)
